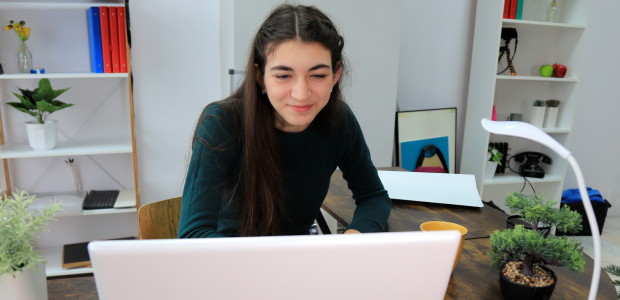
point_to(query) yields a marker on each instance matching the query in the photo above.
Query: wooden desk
(408, 215)
(474, 278)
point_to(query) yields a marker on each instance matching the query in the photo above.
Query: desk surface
(408, 215)
(472, 279)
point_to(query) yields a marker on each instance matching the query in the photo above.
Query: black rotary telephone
(532, 168)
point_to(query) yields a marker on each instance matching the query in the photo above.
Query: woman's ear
(337, 73)
(259, 76)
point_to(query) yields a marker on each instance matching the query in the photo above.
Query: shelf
(539, 24)
(514, 178)
(64, 75)
(105, 211)
(57, 4)
(69, 148)
(556, 130)
(53, 256)
(535, 78)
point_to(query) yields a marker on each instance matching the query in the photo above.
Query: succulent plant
(552, 103)
(539, 103)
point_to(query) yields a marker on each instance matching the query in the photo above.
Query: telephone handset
(532, 168)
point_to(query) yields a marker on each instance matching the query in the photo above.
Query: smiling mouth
(303, 108)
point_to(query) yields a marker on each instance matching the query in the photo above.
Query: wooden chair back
(159, 220)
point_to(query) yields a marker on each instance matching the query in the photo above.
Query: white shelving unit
(98, 131)
(540, 43)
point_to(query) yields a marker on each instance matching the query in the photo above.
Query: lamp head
(526, 131)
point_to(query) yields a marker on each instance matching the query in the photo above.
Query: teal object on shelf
(519, 10)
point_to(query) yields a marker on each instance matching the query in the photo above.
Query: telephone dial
(531, 167)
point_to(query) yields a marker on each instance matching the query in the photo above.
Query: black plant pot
(514, 220)
(515, 291)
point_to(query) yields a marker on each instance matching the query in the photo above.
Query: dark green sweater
(308, 160)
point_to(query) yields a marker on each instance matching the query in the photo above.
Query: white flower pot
(490, 170)
(537, 116)
(551, 117)
(42, 136)
(30, 284)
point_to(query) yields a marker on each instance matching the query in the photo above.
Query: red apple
(560, 71)
(554, 66)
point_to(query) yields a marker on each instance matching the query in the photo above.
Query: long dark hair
(262, 197)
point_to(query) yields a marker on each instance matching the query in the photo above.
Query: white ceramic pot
(537, 116)
(551, 117)
(42, 136)
(30, 284)
(490, 170)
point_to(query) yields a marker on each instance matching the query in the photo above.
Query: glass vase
(24, 59)
(553, 12)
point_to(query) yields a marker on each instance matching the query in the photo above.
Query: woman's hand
(351, 231)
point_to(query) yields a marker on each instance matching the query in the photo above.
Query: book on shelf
(105, 39)
(116, 66)
(110, 199)
(506, 9)
(94, 40)
(76, 255)
(122, 38)
(513, 8)
(519, 15)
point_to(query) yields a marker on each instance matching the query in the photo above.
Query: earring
(263, 92)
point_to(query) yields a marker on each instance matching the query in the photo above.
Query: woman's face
(298, 80)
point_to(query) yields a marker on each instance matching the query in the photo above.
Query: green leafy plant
(614, 270)
(539, 103)
(530, 246)
(40, 102)
(552, 103)
(18, 229)
(495, 155)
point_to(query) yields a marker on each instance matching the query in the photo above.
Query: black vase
(515, 291)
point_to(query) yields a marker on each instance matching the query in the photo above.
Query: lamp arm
(587, 205)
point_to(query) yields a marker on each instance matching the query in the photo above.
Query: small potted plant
(494, 158)
(22, 270)
(40, 103)
(551, 113)
(521, 254)
(538, 113)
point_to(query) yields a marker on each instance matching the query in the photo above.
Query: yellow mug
(439, 225)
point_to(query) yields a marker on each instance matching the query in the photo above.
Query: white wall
(175, 60)
(596, 139)
(435, 57)
(371, 30)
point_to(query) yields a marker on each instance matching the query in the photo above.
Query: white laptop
(407, 265)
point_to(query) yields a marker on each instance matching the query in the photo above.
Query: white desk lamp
(531, 132)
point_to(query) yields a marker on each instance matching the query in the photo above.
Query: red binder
(506, 9)
(513, 8)
(116, 64)
(105, 39)
(122, 39)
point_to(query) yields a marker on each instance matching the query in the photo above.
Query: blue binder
(94, 40)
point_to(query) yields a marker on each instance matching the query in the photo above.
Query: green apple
(546, 70)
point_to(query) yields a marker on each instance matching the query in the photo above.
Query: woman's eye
(319, 76)
(283, 76)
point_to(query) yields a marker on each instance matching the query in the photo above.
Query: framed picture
(426, 140)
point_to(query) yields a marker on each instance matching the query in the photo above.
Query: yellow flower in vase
(22, 32)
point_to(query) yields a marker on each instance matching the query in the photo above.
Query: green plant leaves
(18, 229)
(40, 102)
(22, 108)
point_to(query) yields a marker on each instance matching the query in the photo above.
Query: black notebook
(100, 199)
(76, 255)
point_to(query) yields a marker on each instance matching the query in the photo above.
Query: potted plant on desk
(22, 270)
(521, 254)
(494, 158)
(40, 103)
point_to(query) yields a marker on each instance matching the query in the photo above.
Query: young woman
(262, 159)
